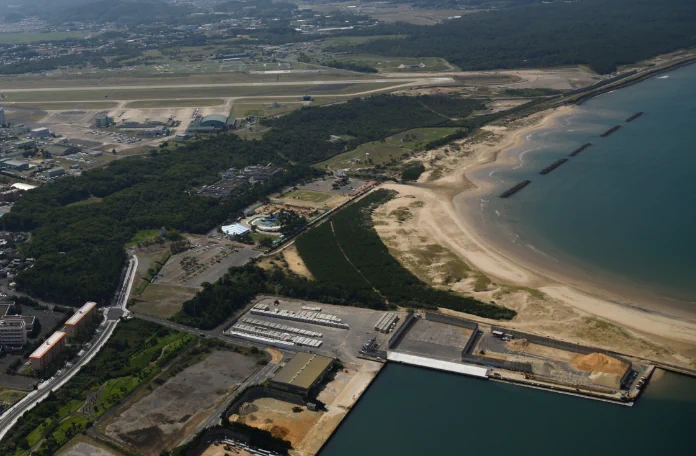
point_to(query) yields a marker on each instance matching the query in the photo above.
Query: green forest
(353, 243)
(79, 248)
(602, 34)
(359, 121)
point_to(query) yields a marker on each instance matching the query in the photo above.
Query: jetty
(446, 366)
(553, 166)
(580, 149)
(634, 116)
(515, 189)
(610, 131)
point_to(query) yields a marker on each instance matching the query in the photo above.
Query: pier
(515, 189)
(553, 166)
(610, 131)
(580, 149)
(447, 366)
(634, 116)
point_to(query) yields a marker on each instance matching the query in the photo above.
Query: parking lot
(435, 340)
(343, 344)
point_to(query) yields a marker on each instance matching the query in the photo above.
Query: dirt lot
(219, 450)
(306, 430)
(85, 446)
(163, 301)
(278, 418)
(163, 418)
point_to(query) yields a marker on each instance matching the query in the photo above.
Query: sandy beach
(568, 306)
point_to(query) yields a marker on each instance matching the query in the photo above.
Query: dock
(446, 366)
(553, 166)
(515, 189)
(580, 149)
(610, 131)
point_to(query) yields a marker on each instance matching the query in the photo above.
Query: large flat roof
(50, 342)
(81, 312)
(303, 369)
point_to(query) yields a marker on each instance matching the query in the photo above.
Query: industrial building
(150, 122)
(17, 165)
(80, 319)
(48, 351)
(155, 131)
(13, 332)
(19, 129)
(302, 373)
(235, 230)
(42, 132)
(25, 144)
(59, 150)
(103, 121)
(55, 172)
(208, 124)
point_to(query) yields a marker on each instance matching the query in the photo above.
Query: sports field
(307, 195)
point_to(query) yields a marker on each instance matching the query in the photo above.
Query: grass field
(176, 103)
(24, 38)
(290, 91)
(163, 301)
(392, 148)
(10, 396)
(307, 195)
(142, 236)
(353, 40)
(263, 109)
(391, 64)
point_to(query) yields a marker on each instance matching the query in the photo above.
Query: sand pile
(599, 362)
(517, 344)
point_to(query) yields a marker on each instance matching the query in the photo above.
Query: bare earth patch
(167, 415)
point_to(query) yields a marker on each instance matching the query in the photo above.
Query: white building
(40, 132)
(235, 230)
(13, 332)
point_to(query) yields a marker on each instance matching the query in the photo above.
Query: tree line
(602, 34)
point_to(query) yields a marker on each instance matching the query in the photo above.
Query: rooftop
(235, 230)
(303, 369)
(46, 346)
(81, 312)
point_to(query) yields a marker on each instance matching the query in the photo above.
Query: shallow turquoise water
(409, 411)
(624, 210)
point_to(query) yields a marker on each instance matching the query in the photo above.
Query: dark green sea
(410, 411)
(621, 213)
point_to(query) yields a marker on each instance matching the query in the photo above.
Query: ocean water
(409, 411)
(623, 212)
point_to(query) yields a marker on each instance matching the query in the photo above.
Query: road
(183, 87)
(104, 332)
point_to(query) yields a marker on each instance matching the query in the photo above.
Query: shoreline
(448, 219)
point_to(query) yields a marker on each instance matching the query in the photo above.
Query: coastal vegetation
(351, 266)
(137, 351)
(355, 244)
(602, 34)
(361, 121)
